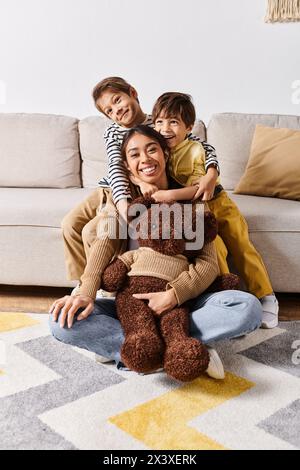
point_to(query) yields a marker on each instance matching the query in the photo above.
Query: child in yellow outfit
(174, 116)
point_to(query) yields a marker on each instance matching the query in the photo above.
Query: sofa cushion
(273, 168)
(267, 214)
(93, 151)
(39, 150)
(32, 256)
(38, 207)
(232, 133)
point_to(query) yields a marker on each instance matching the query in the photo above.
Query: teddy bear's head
(167, 227)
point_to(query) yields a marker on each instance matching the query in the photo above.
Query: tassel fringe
(283, 10)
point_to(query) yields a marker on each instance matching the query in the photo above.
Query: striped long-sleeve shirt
(117, 178)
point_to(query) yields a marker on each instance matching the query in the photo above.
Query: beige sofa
(50, 163)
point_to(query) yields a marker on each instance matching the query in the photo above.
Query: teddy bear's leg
(185, 357)
(226, 281)
(143, 348)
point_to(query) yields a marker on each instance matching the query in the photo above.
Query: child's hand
(206, 188)
(147, 189)
(162, 195)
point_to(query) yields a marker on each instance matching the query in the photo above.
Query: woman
(214, 316)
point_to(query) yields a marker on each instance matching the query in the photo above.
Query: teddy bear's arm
(115, 274)
(189, 284)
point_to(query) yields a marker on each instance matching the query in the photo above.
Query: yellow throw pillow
(273, 168)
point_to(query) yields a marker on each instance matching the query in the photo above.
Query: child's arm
(117, 173)
(181, 194)
(193, 172)
(207, 184)
(211, 159)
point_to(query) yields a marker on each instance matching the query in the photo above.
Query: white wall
(52, 52)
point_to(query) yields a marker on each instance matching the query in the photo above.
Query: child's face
(145, 159)
(122, 108)
(173, 129)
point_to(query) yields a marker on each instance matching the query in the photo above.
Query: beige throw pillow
(273, 168)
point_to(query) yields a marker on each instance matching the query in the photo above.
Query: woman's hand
(68, 305)
(159, 302)
(206, 185)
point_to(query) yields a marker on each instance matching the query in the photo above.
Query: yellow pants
(234, 237)
(80, 234)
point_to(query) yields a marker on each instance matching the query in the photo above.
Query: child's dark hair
(115, 84)
(148, 132)
(174, 104)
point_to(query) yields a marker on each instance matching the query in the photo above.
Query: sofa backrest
(232, 133)
(93, 152)
(39, 150)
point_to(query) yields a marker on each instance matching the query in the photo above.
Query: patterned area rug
(54, 396)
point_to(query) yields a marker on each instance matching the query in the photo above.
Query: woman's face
(145, 159)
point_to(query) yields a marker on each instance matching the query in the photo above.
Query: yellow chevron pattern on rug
(91, 406)
(162, 423)
(14, 320)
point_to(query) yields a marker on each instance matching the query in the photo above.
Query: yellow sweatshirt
(186, 164)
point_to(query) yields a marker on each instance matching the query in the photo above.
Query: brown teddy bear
(152, 340)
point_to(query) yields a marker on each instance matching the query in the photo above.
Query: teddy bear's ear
(136, 205)
(146, 201)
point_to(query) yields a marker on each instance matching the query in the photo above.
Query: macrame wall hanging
(283, 10)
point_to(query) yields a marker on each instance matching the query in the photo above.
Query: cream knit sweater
(188, 279)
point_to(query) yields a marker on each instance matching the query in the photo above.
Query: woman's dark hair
(148, 132)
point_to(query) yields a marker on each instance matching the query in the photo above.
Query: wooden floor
(38, 300)
(29, 299)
